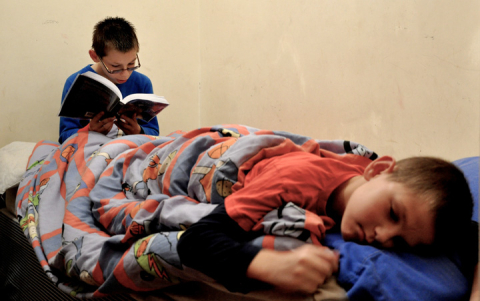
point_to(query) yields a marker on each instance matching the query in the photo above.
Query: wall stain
(50, 22)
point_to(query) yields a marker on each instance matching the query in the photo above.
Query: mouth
(121, 81)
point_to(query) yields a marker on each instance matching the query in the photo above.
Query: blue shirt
(136, 83)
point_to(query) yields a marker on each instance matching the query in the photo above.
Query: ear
(94, 56)
(381, 165)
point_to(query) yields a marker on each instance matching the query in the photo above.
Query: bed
(81, 246)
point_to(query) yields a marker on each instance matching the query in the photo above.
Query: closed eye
(393, 214)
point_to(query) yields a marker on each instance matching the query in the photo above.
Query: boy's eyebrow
(116, 63)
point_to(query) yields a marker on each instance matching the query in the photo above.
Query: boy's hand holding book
(99, 125)
(128, 125)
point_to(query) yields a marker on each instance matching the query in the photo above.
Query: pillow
(13, 163)
(470, 168)
(368, 273)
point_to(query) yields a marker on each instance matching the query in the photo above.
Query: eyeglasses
(121, 70)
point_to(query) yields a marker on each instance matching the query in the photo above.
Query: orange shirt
(305, 179)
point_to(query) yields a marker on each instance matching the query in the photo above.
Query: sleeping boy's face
(387, 214)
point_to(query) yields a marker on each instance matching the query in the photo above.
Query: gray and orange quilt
(104, 215)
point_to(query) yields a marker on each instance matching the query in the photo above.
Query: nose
(124, 72)
(385, 235)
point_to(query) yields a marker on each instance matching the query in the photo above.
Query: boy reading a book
(414, 202)
(115, 54)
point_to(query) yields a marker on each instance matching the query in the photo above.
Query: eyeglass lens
(121, 70)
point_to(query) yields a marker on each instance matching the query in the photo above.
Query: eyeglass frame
(120, 70)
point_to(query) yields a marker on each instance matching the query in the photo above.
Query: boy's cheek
(346, 235)
(350, 232)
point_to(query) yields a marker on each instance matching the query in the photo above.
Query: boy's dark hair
(114, 33)
(445, 186)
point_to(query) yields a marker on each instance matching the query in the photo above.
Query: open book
(92, 93)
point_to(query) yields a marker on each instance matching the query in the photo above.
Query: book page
(145, 96)
(104, 81)
(146, 106)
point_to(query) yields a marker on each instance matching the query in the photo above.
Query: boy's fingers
(321, 261)
(105, 122)
(97, 117)
(328, 254)
(101, 126)
(324, 265)
(329, 261)
(130, 120)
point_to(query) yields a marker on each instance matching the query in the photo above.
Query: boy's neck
(339, 198)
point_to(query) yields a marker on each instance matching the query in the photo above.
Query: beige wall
(401, 77)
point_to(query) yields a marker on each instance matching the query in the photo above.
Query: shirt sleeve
(303, 179)
(150, 128)
(219, 248)
(68, 127)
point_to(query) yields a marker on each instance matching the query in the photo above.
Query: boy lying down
(420, 201)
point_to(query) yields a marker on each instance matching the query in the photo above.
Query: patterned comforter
(104, 215)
